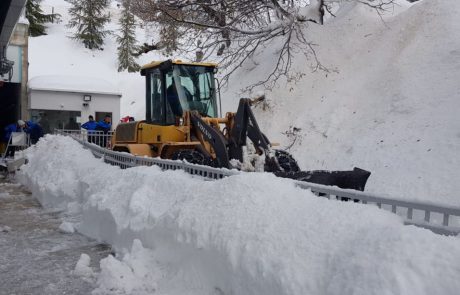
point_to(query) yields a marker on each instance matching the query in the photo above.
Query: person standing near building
(104, 126)
(91, 127)
(33, 129)
(7, 138)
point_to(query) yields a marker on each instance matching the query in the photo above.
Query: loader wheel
(286, 161)
(191, 156)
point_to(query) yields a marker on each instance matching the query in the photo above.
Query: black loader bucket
(355, 179)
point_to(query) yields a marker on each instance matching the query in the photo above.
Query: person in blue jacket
(104, 126)
(91, 127)
(33, 129)
(10, 129)
(7, 136)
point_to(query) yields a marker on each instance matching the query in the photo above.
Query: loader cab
(174, 87)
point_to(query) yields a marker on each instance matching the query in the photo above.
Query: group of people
(34, 131)
(97, 131)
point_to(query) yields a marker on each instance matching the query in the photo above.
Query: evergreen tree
(37, 18)
(88, 17)
(127, 40)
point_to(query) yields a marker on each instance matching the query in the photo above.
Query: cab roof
(155, 64)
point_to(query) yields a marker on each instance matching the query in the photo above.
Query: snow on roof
(73, 84)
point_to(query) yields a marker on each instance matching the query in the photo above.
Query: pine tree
(37, 18)
(127, 40)
(88, 17)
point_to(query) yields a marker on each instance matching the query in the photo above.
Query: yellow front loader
(183, 123)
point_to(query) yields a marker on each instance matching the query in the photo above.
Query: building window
(101, 115)
(51, 119)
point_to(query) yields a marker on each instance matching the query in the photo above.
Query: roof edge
(76, 91)
(154, 64)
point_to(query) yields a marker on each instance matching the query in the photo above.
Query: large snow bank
(392, 105)
(245, 234)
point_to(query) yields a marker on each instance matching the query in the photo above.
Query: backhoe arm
(214, 137)
(245, 126)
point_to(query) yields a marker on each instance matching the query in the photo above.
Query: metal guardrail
(100, 138)
(439, 219)
(126, 160)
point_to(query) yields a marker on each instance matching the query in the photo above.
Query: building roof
(73, 84)
(154, 64)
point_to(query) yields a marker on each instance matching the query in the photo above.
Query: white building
(67, 101)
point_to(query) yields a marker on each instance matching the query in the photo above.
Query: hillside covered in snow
(389, 103)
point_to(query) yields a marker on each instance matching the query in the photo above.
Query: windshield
(191, 88)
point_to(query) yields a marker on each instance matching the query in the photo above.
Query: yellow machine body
(145, 139)
(183, 123)
(162, 139)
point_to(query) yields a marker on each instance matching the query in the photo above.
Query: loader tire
(191, 156)
(286, 161)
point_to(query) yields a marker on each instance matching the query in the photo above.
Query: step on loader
(183, 123)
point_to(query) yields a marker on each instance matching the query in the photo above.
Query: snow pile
(82, 267)
(246, 234)
(389, 103)
(67, 227)
(135, 274)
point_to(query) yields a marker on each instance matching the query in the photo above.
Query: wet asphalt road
(35, 257)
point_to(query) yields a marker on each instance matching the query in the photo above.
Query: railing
(126, 160)
(100, 138)
(439, 219)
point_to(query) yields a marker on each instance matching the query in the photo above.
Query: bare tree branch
(234, 31)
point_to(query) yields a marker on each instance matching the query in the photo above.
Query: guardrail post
(445, 219)
(427, 216)
(393, 208)
(409, 213)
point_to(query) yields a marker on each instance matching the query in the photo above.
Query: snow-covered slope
(392, 108)
(245, 234)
